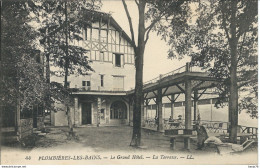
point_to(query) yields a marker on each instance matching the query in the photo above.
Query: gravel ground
(107, 140)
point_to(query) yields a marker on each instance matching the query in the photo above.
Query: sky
(155, 57)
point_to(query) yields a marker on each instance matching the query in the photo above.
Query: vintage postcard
(129, 82)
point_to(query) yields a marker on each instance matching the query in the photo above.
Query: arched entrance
(118, 112)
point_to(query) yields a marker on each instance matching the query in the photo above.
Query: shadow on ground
(105, 139)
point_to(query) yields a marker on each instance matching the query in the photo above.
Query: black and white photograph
(129, 82)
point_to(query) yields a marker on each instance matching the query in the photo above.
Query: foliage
(61, 25)
(20, 58)
(53, 31)
(208, 39)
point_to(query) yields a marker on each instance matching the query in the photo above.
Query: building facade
(101, 97)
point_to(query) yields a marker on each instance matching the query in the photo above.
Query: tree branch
(149, 28)
(147, 35)
(241, 84)
(225, 25)
(136, 3)
(155, 21)
(130, 23)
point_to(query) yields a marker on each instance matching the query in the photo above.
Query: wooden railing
(250, 130)
(184, 68)
(211, 126)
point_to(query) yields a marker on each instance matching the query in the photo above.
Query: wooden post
(211, 109)
(146, 109)
(188, 104)
(172, 104)
(195, 106)
(99, 110)
(159, 105)
(187, 67)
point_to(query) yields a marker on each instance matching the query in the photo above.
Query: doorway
(86, 113)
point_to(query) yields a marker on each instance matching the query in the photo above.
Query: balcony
(85, 88)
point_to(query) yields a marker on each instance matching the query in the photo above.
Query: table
(186, 139)
(174, 124)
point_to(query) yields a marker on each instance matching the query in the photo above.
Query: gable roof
(108, 18)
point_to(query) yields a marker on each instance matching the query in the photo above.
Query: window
(86, 34)
(118, 60)
(68, 84)
(95, 34)
(88, 83)
(106, 56)
(95, 55)
(103, 36)
(102, 80)
(101, 56)
(84, 83)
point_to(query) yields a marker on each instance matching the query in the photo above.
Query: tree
(223, 40)
(22, 80)
(62, 25)
(157, 13)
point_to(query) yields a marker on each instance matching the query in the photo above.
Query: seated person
(171, 118)
(201, 136)
(156, 119)
(180, 118)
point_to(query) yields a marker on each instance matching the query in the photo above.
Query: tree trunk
(66, 73)
(233, 101)
(139, 53)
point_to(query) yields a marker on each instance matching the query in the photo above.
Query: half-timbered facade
(100, 98)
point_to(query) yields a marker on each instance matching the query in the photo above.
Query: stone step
(42, 134)
(37, 132)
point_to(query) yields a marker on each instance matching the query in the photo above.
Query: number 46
(28, 158)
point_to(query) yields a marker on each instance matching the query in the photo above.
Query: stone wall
(26, 127)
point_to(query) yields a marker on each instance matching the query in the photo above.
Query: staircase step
(42, 134)
(37, 132)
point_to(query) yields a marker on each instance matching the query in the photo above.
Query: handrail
(185, 68)
(165, 75)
